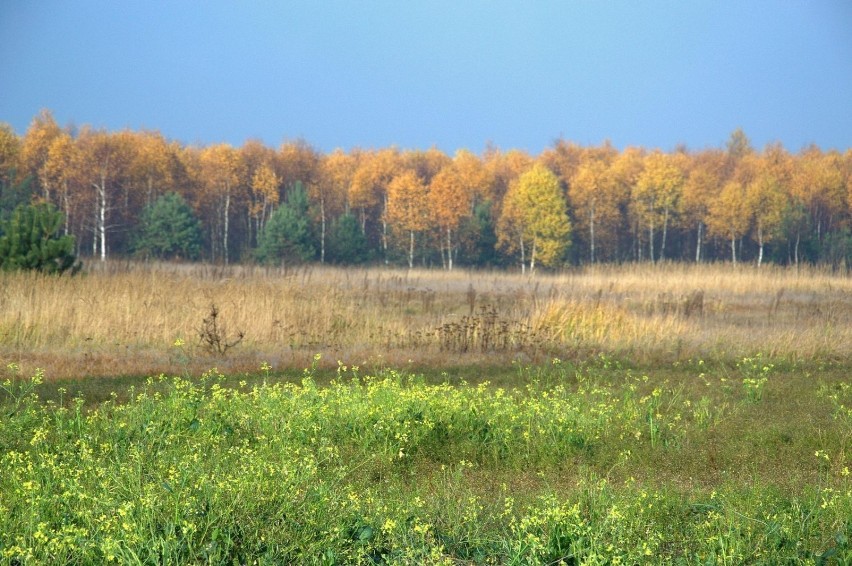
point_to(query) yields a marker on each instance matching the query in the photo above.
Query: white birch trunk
(225, 231)
(651, 241)
(449, 249)
(100, 217)
(385, 230)
(66, 206)
(698, 245)
(733, 249)
(592, 231)
(322, 230)
(102, 225)
(532, 259)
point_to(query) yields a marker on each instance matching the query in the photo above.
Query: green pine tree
(168, 229)
(347, 244)
(286, 237)
(30, 240)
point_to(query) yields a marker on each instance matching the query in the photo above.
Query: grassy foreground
(592, 463)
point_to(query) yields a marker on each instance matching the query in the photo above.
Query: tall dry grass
(125, 318)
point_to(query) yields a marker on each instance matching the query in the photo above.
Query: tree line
(137, 193)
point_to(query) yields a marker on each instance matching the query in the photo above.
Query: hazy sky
(453, 74)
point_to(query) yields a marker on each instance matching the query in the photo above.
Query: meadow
(125, 318)
(615, 415)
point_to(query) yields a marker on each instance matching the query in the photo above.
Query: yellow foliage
(408, 207)
(534, 214)
(265, 183)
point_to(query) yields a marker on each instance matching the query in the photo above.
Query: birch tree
(35, 147)
(223, 173)
(657, 193)
(534, 218)
(368, 192)
(701, 188)
(728, 216)
(408, 207)
(103, 163)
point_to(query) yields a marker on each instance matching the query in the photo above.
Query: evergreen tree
(478, 239)
(286, 237)
(30, 240)
(347, 244)
(168, 229)
(837, 249)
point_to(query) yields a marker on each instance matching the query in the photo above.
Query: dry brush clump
(489, 331)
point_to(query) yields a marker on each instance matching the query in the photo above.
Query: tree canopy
(424, 207)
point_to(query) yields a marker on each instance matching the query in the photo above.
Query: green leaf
(363, 533)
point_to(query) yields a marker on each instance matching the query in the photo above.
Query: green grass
(593, 463)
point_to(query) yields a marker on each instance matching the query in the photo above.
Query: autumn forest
(569, 205)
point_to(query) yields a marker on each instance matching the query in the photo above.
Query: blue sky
(453, 74)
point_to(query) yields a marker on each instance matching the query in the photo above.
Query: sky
(449, 74)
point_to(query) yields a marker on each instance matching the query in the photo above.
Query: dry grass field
(125, 318)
